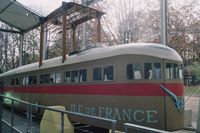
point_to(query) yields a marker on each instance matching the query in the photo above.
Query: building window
(74, 77)
(83, 75)
(129, 71)
(97, 73)
(157, 71)
(137, 71)
(108, 73)
(148, 71)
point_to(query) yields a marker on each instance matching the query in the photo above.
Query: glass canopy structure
(68, 16)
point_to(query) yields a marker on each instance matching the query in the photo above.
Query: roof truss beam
(11, 31)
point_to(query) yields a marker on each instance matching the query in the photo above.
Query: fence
(191, 80)
(94, 120)
(136, 128)
(108, 122)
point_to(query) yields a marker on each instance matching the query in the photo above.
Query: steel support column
(1, 106)
(198, 119)
(74, 45)
(21, 50)
(163, 10)
(99, 29)
(64, 33)
(41, 44)
(84, 27)
(45, 54)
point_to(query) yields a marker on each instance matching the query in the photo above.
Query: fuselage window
(32, 80)
(176, 71)
(108, 73)
(137, 71)
(25, 81)
(58, 77)
(157, 71)
(13, 81)
(44, 78)
(129, 71)
(97, 73)
(52, 78)
(17, 81)
(180, 72)
(147, 70)
(83, 75)
(169, 71)
(67, 77)
(74, 77)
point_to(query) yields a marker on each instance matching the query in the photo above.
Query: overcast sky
(43, 7)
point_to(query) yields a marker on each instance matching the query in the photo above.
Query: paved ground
(191, 114)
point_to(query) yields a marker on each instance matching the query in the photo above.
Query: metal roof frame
(68, 16)
(24, 19)
(76, 14)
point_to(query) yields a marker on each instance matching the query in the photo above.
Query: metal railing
(136, 128)
(13, 129)
(93, 119)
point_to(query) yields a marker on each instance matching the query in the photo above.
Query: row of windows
(173, 71)
(75, 76)
(153, 71)
(136, 71)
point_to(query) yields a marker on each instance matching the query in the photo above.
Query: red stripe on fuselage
(152, 89)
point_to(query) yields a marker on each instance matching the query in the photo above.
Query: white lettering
(73, 106)
(138, 114)
(109, 113)
(151, 116)
(119, 114)
(126, 114)
(116, 114)
(101, 110)
(93, 111)
(87, 111)
(79, 108)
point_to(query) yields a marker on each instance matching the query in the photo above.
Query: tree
(132, 20)
(183, 32)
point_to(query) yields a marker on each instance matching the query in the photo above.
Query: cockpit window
(176, 71)
(169, 71)
(181, 72)
(173, 71)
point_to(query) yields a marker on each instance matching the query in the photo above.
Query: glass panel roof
(18, 16)
(24, 19)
